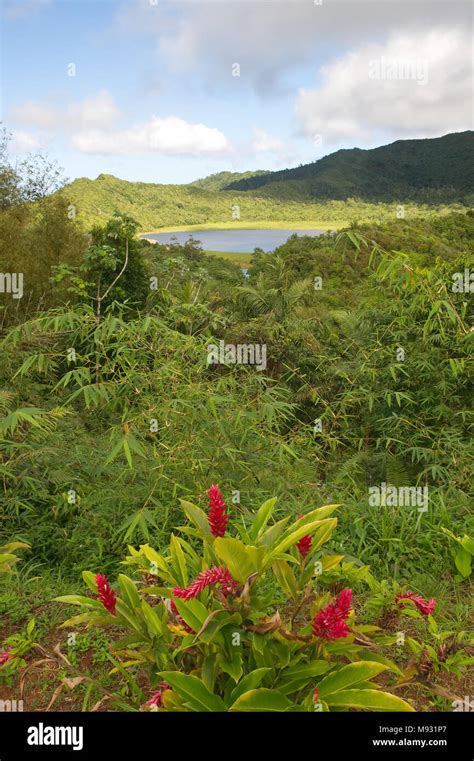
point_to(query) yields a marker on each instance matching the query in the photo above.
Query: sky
(168, 91)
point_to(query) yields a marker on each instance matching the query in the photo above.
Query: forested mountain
(340, 188)
(439, 169)
(220, 180)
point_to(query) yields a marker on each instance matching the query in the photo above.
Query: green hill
(434, 170)
(349, 185)
(220, 180)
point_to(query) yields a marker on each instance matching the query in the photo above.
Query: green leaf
(178, 561)
(286, 578)
(193, 612)
(262, 517)
(463, 560)
(86, 602)
(194, 692)
(249, 682)
(370, 700)
(233, 665)
(348, 676)
(241, 560)
(296, 534)
(153, 556)
(261, 700)
(89, 579)
(129, 591)
(153, 621)
(302, 670)
(196, 516)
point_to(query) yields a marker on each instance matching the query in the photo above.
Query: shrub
(233, 618)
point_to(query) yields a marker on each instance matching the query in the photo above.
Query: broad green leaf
(178, 560)
(290, 539)
(261, 700)
(194, 692)
(89, 579)
(286, 578)
(86, 602)
(241, 560)
(348, 676)
(370, 700)
(154, 557)
(233, 665)
(196, 516)
(129, 591)
(273, 532)
(301, 670)
(248, 682)
(463, 560)
(153, 621)
(192, 611)
(262, 517)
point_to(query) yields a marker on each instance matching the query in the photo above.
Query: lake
(238, 241)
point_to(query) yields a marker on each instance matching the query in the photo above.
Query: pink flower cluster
(156, 700)
(330, 622)
(5, 656)
(216, 575)
(305, 543)
(424, 606)
(106, 593)
(217, 514)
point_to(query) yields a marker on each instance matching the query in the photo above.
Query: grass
(240, 225)
(236, 257)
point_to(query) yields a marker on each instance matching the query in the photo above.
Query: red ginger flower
(106, 593)
(424, 606)
(214, 575)
(156, 700)
(305, 543)
(329, 623)
(217, 515)
(5, 656)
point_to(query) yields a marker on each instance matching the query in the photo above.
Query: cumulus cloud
(24, 142)
(97, 111)
(414, 84)
(265, 142)
(272, 39)
(169, 136)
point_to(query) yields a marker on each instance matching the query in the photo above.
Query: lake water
(239, 241)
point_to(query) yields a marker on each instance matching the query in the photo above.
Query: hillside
(434, 170)
(155, 206)
(221, 180)
(346, 186)
(171, 206)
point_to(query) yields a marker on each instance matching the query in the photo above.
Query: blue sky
(155, 97)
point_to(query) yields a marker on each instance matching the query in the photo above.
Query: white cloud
(24, 142)
(415, 84)
(170, 136)
(273, 38)
(96, 111)
(15, 9)
(263, 141)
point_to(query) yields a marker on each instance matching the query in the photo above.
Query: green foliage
(427, 171)
(222, 652)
